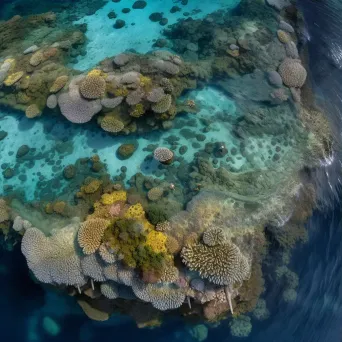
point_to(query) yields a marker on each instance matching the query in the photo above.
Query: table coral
(222, 264)
(90, 234)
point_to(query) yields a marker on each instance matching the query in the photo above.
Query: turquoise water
(221, 241)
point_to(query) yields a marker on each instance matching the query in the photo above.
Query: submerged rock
(140, 4)
(125, 151)
(22, 151)
(69, 171)
(3, 135)
(156, 16)
(119, 24)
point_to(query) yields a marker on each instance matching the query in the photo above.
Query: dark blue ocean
(316, 315)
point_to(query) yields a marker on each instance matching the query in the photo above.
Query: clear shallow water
(317, 263)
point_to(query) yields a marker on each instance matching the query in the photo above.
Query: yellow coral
(92, 187)
(135, 212)
(59, 83)
(145, 81)
(13, 78)
(111, 124)
(137, 110)
(113, 197)
(120, 92)
(95, 72)
(283, 36)
(156, 240)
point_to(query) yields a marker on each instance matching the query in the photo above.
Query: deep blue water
(317, 313)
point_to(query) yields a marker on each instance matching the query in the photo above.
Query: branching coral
(53, 259)
(222, 264)
(90, 234)
(213, 237)
(163, 155)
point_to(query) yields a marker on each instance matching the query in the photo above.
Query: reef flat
(161, 182)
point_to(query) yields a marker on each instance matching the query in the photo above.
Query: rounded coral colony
(183, 172)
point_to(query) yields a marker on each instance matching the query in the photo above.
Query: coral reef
(181, 219)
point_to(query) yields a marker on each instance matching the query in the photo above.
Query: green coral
(128, 238)
(137, 110)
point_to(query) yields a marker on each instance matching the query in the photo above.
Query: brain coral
(111, 124)
(90, 234)
(163, 105)
(283, 36)
(32, 111)
(222, 264)
(155, 194)
(292, 73)
(75, 108)
(93, 87)
(59, 83)
(53, 259)
(213, 237)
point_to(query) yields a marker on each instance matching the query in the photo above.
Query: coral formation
(222, 264)
(90, 234)
(292, 73)
(53, 259)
